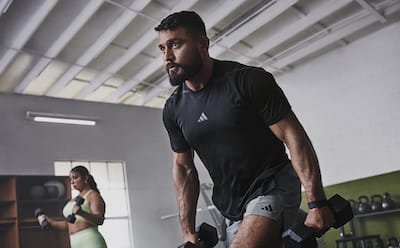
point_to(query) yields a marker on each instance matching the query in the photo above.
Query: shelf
(52, 201)
(6, 203)
(377, 213)
(6, 227)
(34, 220)
(7, 221)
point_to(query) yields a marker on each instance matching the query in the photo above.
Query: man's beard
(188, 70)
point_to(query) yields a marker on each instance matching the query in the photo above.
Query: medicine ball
(38, 192)
(55, 189)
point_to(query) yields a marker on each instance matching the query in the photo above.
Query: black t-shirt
(226, 123)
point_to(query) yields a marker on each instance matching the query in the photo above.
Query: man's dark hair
(189, 20)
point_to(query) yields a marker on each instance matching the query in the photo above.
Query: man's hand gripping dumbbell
(303, 236)
(207, 236)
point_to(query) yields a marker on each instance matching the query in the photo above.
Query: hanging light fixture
(60, 118)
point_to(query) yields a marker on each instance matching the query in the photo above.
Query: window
(111, 181)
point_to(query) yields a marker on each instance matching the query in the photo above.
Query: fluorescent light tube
(64, 120)
(60, 118)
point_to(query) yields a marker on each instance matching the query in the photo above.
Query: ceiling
(106, 51)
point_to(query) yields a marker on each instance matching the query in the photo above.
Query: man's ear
(204, 42)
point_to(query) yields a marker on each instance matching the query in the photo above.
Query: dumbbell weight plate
(341, 209)
(208, 234)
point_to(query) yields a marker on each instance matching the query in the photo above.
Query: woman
(89, 215)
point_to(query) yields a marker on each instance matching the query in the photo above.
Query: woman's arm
(55, 224)
(97, 207)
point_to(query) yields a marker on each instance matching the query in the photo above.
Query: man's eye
(176, 44)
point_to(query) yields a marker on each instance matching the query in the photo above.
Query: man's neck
(200, 80)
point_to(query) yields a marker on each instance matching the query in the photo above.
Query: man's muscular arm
(186, 182)
(305, 163)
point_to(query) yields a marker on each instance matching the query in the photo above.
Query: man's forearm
(187, 194)
(305, 162)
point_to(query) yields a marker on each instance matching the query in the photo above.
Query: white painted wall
(348, 100)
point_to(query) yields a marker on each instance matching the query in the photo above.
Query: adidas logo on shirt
(203, 117)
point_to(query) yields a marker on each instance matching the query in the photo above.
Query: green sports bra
(67, 210)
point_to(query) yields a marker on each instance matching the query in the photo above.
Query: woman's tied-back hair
(83, 172)
(189, 20)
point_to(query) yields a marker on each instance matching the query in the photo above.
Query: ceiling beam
(98, 46)
(4, 5)
(392, 9)
(155, 91)
(112, 32)
(132, 82)
(267, 14)
(324, 10)
(131, 52)
(86, 12)
(26, 31)
(372, 10)
(212, 19)
(332, 35)
(329, 35)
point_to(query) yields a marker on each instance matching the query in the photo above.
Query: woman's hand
(76, 209)
(41, 218)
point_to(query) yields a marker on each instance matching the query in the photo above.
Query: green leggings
(87, 238)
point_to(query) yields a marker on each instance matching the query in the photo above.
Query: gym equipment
(55, 189)
(78, 201)
(207, 234)
(363, 205)
(45, 224)
(376, 203)
(387, 202)
(392, 242)
(38, 192)
(303, 236)
(353, 205)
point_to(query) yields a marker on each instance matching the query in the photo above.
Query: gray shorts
(284, 199)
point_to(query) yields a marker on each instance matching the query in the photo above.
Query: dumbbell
(207, 234)
(78, 201)
(45, 224)
(302, 236)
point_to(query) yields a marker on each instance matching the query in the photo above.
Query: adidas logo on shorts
(267, 208)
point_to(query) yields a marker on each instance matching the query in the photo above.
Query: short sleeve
(176, 138)
(266, 96)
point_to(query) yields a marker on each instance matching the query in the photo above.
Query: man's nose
(168, 55)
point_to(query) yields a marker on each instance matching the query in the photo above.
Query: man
(237, 119)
